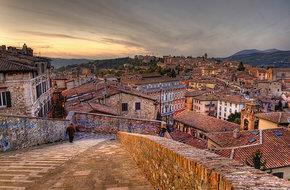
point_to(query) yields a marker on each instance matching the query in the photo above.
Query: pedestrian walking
(70, 130)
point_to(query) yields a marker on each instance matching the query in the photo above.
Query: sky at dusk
(117, 28)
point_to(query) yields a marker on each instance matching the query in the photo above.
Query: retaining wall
(18, 132)
(172, 165)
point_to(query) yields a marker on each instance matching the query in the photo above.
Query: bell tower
(248, 121)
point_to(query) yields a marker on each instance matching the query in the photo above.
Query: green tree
(257, 161)
(235, 118)
(241, 67)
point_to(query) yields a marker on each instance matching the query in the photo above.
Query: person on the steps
(70, 130)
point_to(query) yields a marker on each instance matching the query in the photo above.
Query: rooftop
(204, 123)
(271, 142)
(275, 117)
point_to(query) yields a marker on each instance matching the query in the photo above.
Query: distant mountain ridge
(60, 62)
(264, 58)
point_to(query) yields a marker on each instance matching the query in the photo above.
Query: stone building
(278, 73)
(129, 103)
(24, 83)
(110, 98)
(205, 104)
(169, 92)
(273, 88)
(259, 73)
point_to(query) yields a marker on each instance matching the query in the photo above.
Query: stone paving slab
(20, 169)
(106, 166)
(91, 162)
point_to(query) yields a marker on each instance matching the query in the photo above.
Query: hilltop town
(225, 108)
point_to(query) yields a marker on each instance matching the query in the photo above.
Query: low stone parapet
(17, 132)
(108, 124)
(172, 165)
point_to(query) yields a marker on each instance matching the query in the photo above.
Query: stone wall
(22, 88)
(172, 165)
(147, 111)
(17, 132)
(101, 123)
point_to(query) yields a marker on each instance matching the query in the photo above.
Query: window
(42, 68)
(124, 106)
(279, 174)
(43, 87)
(38, 90)
(137, 106)
(5, 99)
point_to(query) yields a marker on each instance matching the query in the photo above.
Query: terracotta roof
(188, 139)
(153, 80)
(82, 89)
(232, 99)
(195, 93)
(276, 117)
(273, 141)
(204, 123)
(227, 139)
(99, 90)
(206, 97)
(8, 65)
(91, 107)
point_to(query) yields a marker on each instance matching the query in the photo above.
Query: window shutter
(8, 99)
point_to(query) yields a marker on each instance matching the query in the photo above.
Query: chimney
(3, 48)
(236, 133)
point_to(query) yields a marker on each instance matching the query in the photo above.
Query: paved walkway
(90, 163)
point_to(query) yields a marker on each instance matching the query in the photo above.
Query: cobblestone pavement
(89, 163)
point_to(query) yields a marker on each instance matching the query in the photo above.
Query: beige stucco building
(273, 120)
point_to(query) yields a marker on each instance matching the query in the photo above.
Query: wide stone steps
(20, 169)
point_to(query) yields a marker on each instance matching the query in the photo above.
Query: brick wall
(101, 123)
(172, 165)
(18, 132)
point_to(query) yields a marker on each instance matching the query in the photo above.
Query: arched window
(246, 124)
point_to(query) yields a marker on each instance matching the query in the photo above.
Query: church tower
(248, 121)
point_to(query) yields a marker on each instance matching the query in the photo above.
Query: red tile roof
(227, 139)
(232, 99)
(204, 123)
(276, 117)
(275, 149)
(99, 90)
(188, 139)
(91, 107)
(8, 65)
(18, 62)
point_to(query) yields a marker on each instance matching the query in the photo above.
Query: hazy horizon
(97, 29)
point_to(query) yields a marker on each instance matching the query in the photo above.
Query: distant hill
(264, 58)
(59, 62)
(117, 63)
